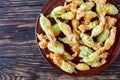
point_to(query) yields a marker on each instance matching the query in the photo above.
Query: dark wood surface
(20, 58)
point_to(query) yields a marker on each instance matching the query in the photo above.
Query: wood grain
(19, 55)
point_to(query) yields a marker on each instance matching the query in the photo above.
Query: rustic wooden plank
(19, 55)
(31, 67)
(19, 3)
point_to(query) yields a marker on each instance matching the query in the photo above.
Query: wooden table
(19, 55)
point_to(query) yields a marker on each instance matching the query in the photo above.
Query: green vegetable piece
(91, 14)
(87, 40)
(87, 6)
(85, 51)
(111, 39)
(56, 12)
(92, 57)
(82, 67)
(47, 28)
(100, 8)
(64, 40)
(56, 47)
(45, 23)
(103, 36)
(92, 25)
(68, 56)
(111, 9)
(67, 67)
(99, 1)
(94, 64)
(56, 29)
(75, 24)
(65, 28)
(68, 15)
(79, 2)
(97, 30)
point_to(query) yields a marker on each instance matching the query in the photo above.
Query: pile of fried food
(88, 28)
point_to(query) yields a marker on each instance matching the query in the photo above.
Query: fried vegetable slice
(56, 47)
(64, 65)
(42, 40)
(79, 2)
(100, 9)
(99, 1)
(56, 29)
(110, 21)
(85, 51)
(82, 28)
(74, 46)
(45, 23)
(87, 40)
(89, 15)
(65, 28)
(67, 67)
(68, 15)
(87, 6)
(47, 28)
(64, 40)
(80, 13)
(92, 25)
(56, 12)
(95, 64)
(98, 29)
(92, 57)
(103, 36)
(75, 24)
(82, 67)
(111, 39)
(111, 9)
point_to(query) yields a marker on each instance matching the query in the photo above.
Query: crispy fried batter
(87, 38)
